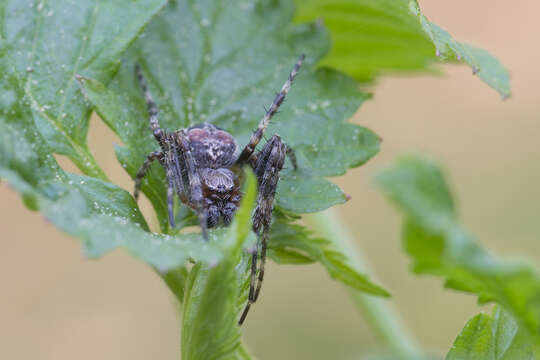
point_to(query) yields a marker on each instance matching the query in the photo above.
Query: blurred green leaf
(206, 62)
(370, 37)
(293, 243)
(438, 245)
(491, 337)
(210, 319)
(44, 44)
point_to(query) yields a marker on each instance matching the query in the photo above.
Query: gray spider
(203, 169)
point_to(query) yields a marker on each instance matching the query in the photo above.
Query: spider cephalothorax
(204, 170)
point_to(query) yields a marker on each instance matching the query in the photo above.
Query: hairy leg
(151, 105)
(170, 197)
(267, 167)
(193, 186)
(278, 100)
(143, 169)
(292, 156)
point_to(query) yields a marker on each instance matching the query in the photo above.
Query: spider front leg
(189, 179)
(267, 166)
(161, 137)
(143, 169)
(278, 100)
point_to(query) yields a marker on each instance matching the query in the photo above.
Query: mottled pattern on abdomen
(211, 146)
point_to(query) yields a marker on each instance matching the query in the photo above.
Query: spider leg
(292, 156)
(151, 105)
(192, 184)
(269, 163)
(170, 197)
(258, 133)
(252, 282)
(143, 169)
(260, 278)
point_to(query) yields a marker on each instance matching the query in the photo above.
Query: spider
(203, 169)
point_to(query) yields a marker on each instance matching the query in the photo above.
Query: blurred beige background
(54, 304)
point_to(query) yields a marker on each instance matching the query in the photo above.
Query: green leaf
(102, 215)
(438, 245)
(199, 72)
(43, 45)
(375, 36)
(292, 243)
(210, 319)
(482, 63)
(176, 281)
(491, 337)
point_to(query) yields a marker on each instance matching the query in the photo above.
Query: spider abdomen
(211, 146)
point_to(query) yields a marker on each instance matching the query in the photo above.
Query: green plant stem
(382, 317)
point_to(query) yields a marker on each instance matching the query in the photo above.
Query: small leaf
(210, 322)
(292, 243)
(491, 337)
(375, 36)
(438, 245)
